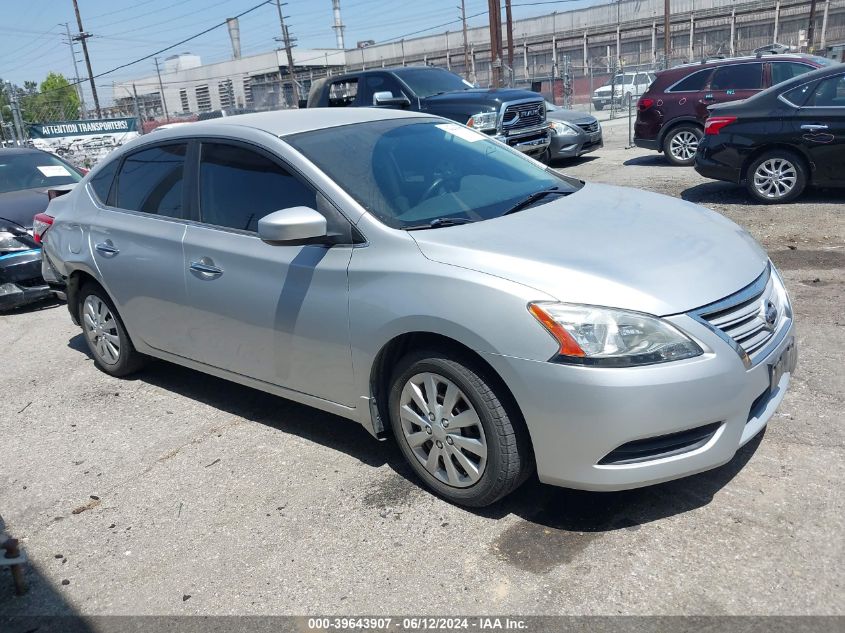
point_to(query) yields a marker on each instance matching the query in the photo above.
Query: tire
(776, 176)
(680, 144)
(461, 475)
(105, 334)
(545, 157)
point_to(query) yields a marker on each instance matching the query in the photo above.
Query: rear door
(734, 81)
(275, 313)
(820, 124)
(136, 242)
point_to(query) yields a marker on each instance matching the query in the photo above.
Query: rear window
(693, 82)
(738, 77)
(31, 170)
(342, 93)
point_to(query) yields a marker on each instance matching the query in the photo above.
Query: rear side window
(693, 82)
(829, 93)
(342, 93)
(797, 96)
(781, 71)
(102, 181)
(738, 77)
(238, 187)
(151, 180)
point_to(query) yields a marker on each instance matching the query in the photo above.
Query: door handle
(206, 269)
(106, 248)
(814, 127)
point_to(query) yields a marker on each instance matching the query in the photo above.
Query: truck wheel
(681, 143)
(454, 430)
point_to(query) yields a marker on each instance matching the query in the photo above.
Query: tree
(57, 100)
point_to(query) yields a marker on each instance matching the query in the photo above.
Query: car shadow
(651, 160)
(730, 193)
(549, 507)
(573, 162)
(38, 306)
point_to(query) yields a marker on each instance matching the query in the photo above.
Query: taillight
(40, 224)
(644, 104)
(714, 124)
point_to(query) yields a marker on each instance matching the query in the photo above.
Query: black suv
(515, 117)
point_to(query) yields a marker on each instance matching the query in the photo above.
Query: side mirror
(292, 225)
(386, 98)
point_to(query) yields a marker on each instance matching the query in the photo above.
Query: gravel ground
(177, 493)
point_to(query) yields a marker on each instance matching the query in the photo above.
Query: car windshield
(412, 172)
(627, 78)
(425, 82)
(31, 170)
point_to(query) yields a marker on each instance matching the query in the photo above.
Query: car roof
(7, 151)
(294, 121)
(709, 63)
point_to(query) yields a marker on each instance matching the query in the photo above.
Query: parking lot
(177, 493)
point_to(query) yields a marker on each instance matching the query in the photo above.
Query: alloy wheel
(101, 329)
(683, 145)
(775, 178)
(443, 430)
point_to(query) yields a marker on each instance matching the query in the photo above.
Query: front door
(276, 313)
(820, 123)
(136, 242)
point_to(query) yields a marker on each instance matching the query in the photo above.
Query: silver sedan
(408, 273)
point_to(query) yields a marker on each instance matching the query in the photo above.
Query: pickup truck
(514, 117)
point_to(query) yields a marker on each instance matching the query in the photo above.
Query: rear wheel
(681, 143)
(776, 176)
(455, 431)
(105, 334)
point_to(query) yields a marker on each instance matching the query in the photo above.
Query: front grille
(661, 446)
(522, 115)
(589, 127)
(746, 318)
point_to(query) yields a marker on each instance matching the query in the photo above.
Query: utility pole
(495, 10)
(137, 110)
(289, 52)
(667, 33)
(811, 28)
(466, 49)
(75, 70)
(161, 92)
(509, 20)
(82, 37)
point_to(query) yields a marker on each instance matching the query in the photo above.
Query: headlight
(589, 335)
(562, 129)
(483, 121)
(9, 242)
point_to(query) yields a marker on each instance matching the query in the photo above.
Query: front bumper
(577, 416)
(574, 146)
(533, 141)
(20, 279)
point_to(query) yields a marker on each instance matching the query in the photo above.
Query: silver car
(411, 274)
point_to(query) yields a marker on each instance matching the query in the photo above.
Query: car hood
(571, 116)
(480, 98)
(608, 246)
(19, 207)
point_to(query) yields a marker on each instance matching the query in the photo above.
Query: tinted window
(342, 93)
(797, 96)
(238, 187)
(781, 71)
(693, 82)
(101, 181)
(829, 93)
(738, 77)
(28, 170)
(379, 83)
(151, 180)
(431, 81)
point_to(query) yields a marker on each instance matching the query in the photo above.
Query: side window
(830, 93)
(797, 96)
(781, 71)
(151, 180)
(693, 82)
(239, 186)
(342, 93)
(101, 182)
(379, 83)
(738, 77)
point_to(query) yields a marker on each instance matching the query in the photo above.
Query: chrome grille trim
(589, 127)
(739, 318)
(513, 117)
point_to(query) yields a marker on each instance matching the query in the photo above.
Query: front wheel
(454, 429)
(776, 176)
(105, 333)
(681, 143)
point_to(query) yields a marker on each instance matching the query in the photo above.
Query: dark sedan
(782, 140)
(573, 133)
(25, 176)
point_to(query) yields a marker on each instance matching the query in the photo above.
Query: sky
(33, 37)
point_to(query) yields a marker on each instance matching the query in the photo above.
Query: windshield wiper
(437, 223)
(534, 197)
